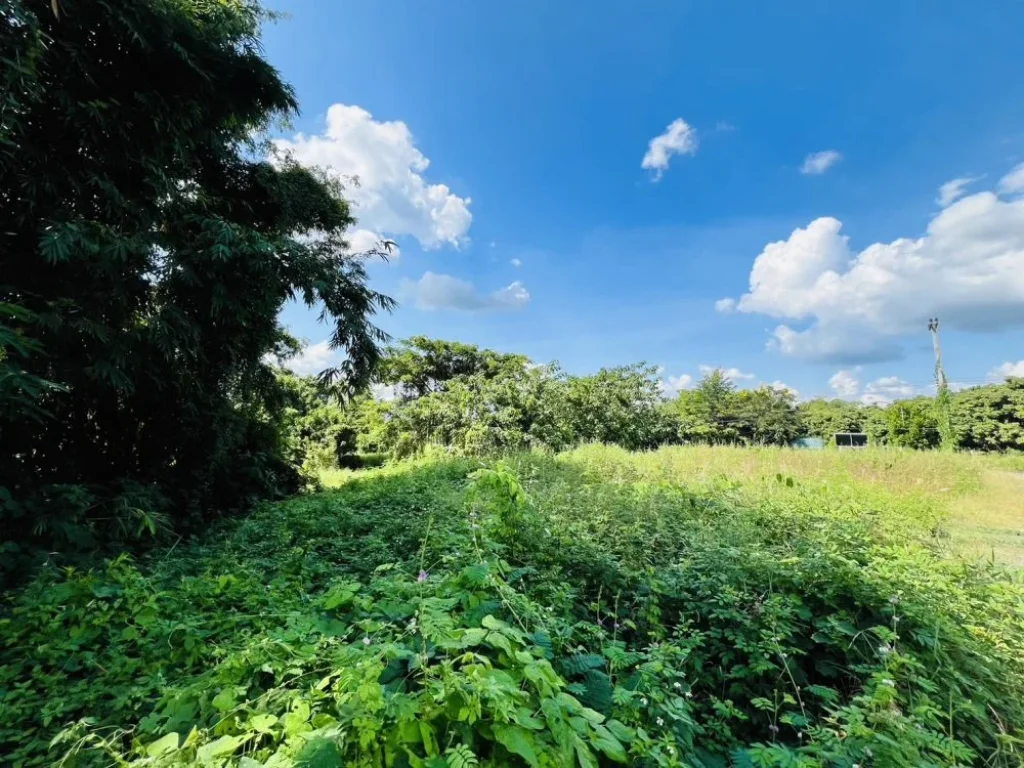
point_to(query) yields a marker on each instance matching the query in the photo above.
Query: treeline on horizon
(469, 400)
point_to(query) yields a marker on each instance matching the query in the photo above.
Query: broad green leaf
(225, 745)
(163, 745)
(518, 741)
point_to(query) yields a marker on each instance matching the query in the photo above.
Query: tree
(146, 247)
(419, 365)
(824, 418)
(767, 416)
(990, 418)
(707, 413)
(912, 424)
(615, 405)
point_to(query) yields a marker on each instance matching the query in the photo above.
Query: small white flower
(366, 641)
(660, 721)
(689, 695)
(676, 685)
(643, 702)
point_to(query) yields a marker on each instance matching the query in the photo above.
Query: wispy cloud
(817, 163)
(679, 138)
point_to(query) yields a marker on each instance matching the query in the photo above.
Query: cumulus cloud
(882, 391)
(516, 262)
(1007, 369)
(725, 305)
(1013, 182)
(967, 268)
(384, 393)
(783, 386)
(434, 291)
(734, 375)
(392, 197)
(953, 190)
(845, 383)
(817, 163)
(886, 389)
(313, 359)
(679, 138)
(671, 386)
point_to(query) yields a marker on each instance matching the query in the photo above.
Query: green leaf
(224, 700)
(225, 745)
(620, 730)
(489, 622)
(583, 753)
(262, 723)
(429, 739)
(518, 741)
(163, 745)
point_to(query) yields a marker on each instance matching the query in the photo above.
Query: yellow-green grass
(972, 502)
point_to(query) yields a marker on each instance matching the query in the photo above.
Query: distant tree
(824, 418)
(990, 418)
(912, 424)
(615, 405)
(767, 416)
(707, 413)
(420, 365)
(146, 248)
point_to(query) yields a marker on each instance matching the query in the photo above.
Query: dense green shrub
(584, 609)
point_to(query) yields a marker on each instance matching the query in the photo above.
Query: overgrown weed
(592, 608)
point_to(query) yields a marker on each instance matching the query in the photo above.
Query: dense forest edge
(535, 576)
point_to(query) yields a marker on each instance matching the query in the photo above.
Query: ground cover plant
(592, 608)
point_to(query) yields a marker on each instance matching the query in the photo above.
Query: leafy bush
(585, 608)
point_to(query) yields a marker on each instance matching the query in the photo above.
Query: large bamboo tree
(147, 245)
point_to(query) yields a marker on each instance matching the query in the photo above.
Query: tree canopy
(147, 244)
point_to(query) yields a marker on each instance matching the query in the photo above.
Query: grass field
(977, 500)
(705, 607)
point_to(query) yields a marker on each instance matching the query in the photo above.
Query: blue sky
(485, 133)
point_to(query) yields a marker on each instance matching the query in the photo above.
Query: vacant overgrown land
(689, 606)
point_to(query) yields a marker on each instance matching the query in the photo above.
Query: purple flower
(422, 577)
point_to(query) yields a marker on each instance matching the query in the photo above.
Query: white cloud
(886, 389)
(516, 262)
(953, 190)
(734, 375)
(1013, 182)
(725, 305)
(384, 392)
(967, 269)
(724, 126)
(817, 163)
(434, 291)
(882, 391)
(392, 196)
(1007, 369)
(313, 359)
(781, 385)
(845, 383)
(678, 139)
(671, 386)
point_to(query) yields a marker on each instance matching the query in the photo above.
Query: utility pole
(942, 415)
(940, 375)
